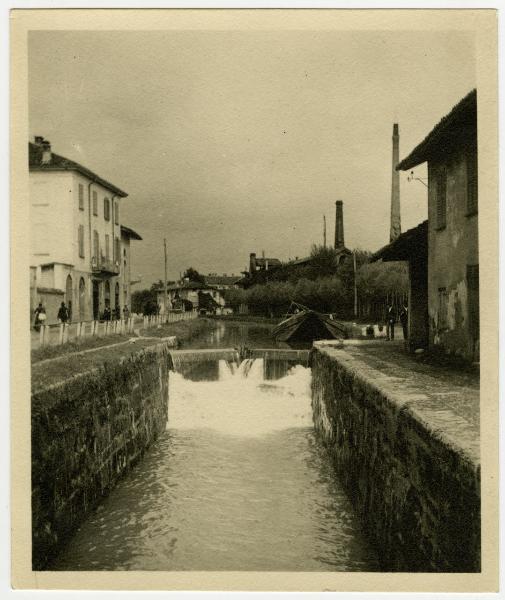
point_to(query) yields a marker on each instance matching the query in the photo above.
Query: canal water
(238, 482)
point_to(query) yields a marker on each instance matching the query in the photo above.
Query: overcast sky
(231, 143)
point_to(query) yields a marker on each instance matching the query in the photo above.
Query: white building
(78, 247)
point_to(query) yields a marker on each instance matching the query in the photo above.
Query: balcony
(104, 266)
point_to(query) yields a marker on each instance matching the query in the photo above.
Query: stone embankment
(405, 442)
(87, 431)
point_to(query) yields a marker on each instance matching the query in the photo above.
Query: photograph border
(484, 23)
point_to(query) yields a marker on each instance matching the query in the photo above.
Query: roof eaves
(422, 151)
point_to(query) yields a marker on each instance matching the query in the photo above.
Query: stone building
(446, 296)
(77, 244)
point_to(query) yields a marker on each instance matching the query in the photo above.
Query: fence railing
(63, 333)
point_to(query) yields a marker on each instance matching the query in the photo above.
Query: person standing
(63, 313)
(404, 320)
(40, 316)
(126, 313)
(390, 322)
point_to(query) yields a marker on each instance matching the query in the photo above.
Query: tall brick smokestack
(339, 224)
(395, 228)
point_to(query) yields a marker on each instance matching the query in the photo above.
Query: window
(107, 249)
(81, 197)
(441, 198)
(117, 251)
(443, 301)
(106, 209)
(95, 203)
(472, 279)
(471, 184)
(116, 213)
(80, 238)
(96, 246)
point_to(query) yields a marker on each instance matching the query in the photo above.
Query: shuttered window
(117, 250)
(107, 248)
(441, 198)
(80, 240)
(472, 280)
(443, 303)
(95, 203)
(81, 197)
(116, 213)
(106, 209)
(471, 185)
(96, 246)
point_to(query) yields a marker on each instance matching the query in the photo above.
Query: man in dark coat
(63, 313)
(404, 320)
(390, 322)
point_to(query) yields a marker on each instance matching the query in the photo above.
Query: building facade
(451, 290)
(77, 245)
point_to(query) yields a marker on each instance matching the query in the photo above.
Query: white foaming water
(241, 402)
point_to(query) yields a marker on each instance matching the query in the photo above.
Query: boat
(308, 325)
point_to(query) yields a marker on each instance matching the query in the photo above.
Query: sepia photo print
(255, 298)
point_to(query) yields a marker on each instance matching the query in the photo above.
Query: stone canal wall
(88, 431)
(414, 481)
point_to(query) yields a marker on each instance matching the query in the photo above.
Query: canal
(238, 481)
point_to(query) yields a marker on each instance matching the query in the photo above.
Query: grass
(87, 343)
(67, 363)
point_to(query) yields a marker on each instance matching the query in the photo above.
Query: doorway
(82, 299)
(68, 296)
(96, 300)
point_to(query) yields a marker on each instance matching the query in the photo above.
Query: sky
(235, 142)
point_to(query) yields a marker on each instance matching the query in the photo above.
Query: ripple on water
(257, 496)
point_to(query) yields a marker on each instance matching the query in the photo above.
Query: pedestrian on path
(390, 322)
(40, 316)
(63, 313)
(404, 320)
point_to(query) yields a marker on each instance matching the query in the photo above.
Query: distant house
(78, 246)
(127, 234)
(191, 295)
(443, 253)
(222, 282)
(262, 264)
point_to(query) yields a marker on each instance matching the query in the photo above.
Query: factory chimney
(339, 225)
(395, 228)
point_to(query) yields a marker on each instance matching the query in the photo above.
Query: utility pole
(324, 231)
(165, 288)
(355, 286)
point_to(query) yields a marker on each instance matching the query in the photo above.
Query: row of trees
(326, 285)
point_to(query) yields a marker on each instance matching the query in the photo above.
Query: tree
(194, 275)
(145, 302)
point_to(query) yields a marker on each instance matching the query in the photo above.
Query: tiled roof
(133, 235)
(455, 128)
(408, 246)
(60, 163)
(221, 279)
(188, 285)
(270, 261)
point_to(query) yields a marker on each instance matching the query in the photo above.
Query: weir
(207, 364)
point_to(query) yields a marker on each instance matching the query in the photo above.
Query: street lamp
(412, 178)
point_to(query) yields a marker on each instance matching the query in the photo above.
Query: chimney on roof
(46, 152)
(252, 262)
(339, 224)
(395, 227)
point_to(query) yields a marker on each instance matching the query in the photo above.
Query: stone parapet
(87, 432)
(407, 450)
